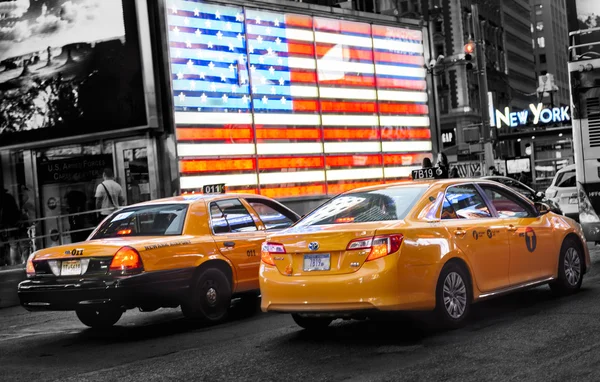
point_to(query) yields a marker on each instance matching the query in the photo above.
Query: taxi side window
(272, 215)
(506, 204)
(230, 216)
(464, 202)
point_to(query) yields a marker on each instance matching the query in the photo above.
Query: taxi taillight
(127, 260)
(268, 249)
(30, 269)
(380, 246)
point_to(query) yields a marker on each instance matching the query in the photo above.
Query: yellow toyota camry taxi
(427, 245)
(196, 251)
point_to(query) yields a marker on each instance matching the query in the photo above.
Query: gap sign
(540, 115)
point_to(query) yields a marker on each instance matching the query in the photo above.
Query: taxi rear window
(153, 220)
(369, 206)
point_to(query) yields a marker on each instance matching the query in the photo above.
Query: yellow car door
(532, 246)
(239, 237)
(478, 235)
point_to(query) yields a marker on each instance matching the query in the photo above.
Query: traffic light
(469, 53)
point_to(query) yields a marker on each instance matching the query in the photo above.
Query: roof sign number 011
(540, 115)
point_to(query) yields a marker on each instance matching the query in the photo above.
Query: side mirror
(542, 208)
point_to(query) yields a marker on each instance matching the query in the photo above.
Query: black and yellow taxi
(195, 251)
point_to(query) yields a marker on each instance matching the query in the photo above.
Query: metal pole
(483, 87)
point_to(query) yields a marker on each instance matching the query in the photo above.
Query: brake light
(268, 249)
(30, 269)
(380, 246)
(126, 259)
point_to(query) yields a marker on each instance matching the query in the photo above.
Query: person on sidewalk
(109, 195)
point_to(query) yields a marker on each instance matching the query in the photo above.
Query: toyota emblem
(313, 246)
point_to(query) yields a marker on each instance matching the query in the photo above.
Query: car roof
(194, 198)
(424, 183)
(567, 168)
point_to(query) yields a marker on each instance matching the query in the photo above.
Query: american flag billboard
(292, 105)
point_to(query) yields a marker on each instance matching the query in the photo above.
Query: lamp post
(488, 151)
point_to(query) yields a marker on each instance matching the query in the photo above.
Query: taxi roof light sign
(213, 188)
(429, 173)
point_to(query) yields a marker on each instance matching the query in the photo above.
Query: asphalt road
(529, 336)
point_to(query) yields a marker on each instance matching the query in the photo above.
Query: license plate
(572, 200)
(70, 268)
(316, 262)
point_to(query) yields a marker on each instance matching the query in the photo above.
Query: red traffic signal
(469, 51)
(470, 47)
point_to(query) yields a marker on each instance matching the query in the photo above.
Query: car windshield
(369, 206)
(152, 220)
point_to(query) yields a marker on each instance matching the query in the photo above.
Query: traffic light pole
(483, 88)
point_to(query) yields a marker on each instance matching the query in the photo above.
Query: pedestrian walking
(454, 173)
(427, 163)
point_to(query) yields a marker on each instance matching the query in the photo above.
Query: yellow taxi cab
(197, 251)
(427, 245)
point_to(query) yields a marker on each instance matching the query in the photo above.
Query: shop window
(542, 58)
(539, 26)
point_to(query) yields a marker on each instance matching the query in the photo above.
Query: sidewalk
(10, 277)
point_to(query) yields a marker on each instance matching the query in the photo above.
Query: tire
(210, 297)
(99, 318)
(312, 323)
(570, 269)
(453, 296)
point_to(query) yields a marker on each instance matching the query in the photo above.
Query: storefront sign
(540, 115)
(73, 170)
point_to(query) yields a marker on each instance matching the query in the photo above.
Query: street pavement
(527, 336)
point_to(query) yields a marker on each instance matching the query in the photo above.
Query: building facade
(551, 38)
(518, 34)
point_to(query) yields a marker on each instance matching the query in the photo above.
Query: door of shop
(137, 169)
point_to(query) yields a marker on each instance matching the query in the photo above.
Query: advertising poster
(68, 67)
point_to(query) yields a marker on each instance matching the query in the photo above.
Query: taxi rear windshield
(369, 206)
(154, 220)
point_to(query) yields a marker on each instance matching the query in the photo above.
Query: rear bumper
(153, 289)
(380, 285)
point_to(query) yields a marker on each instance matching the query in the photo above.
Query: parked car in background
(527, 191)
(563, 191)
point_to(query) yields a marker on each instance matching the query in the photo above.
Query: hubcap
(572, 266)
(211, 296)
(455, 295)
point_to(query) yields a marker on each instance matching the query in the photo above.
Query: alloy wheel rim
(454, 295)
(572, 266)
(211, 296)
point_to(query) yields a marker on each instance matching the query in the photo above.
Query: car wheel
(312, 323)
(99, 318)
(570, 270)
(453, 296)
(210, 297)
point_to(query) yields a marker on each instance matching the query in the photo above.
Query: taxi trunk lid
(320, 250)
(85, 258)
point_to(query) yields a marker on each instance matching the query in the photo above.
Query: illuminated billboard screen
(292, 105)
(68, 67)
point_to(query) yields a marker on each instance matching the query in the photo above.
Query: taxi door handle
(512, 228)
(460, 232)
(229, 244)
